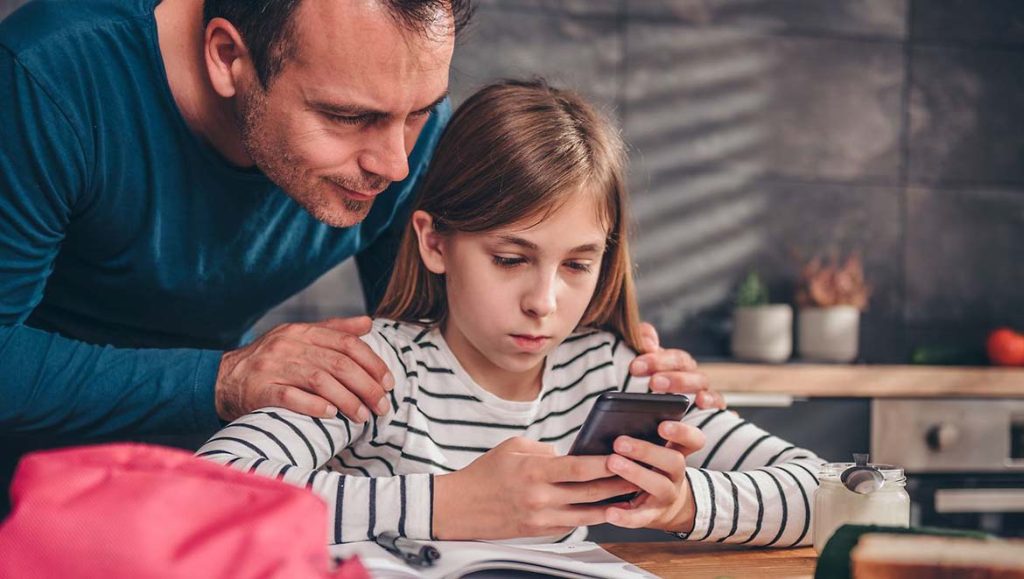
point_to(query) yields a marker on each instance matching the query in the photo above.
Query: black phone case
(636, 415)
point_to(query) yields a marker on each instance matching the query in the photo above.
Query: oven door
(991, 503)
(964, 459)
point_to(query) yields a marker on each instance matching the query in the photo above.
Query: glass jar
(835, 505)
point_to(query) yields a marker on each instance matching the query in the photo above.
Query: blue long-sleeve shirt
(131, 254)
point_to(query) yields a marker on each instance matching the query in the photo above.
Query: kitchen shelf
(866, 381)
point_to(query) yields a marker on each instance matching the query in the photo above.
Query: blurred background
(763, 132)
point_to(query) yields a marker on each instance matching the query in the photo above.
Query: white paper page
(461, 557)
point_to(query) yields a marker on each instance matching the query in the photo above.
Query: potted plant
(831, 296)
(762, 331)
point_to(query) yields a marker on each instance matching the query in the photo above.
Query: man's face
(337, 124)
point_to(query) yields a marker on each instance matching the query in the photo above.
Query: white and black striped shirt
(750, 487)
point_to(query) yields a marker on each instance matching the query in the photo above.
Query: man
(169, 174)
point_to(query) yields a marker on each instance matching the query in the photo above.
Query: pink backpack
(132, 510)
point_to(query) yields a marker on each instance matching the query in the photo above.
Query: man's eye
(508, 261)
(578, 266)
(347, 120)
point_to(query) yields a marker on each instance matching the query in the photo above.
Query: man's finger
(650, 337)
(670, 360)
(710, 399)
(349, 377)
(296, 400)
(357, 326)
(324, 386)
(679, 382)
(578, 468)
(356, 349)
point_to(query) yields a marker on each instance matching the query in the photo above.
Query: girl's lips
(530, 343)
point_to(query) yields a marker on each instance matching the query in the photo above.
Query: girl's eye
(508, 261)
(578, 266)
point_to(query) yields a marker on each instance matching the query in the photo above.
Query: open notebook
(460, 558)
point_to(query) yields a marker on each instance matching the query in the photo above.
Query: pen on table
(410, 551)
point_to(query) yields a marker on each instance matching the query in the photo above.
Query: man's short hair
(266, 26)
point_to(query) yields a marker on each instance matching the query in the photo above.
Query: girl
(511, 308)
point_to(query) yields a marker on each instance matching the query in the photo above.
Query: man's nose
(387, 156)
(540, 299)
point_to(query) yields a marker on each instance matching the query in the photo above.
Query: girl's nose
(539, 300)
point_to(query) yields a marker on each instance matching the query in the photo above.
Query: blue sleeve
(48, 382)
(376, 261)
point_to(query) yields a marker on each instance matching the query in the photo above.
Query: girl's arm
(749, 486)
(293, 447)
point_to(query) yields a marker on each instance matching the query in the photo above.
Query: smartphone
(636, 415)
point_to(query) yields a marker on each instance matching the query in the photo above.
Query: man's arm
(66, 388)
(51, 383)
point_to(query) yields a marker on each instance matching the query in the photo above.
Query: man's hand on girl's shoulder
(318, 369)
(673, 370)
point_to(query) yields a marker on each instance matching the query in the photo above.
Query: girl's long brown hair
(513, 153)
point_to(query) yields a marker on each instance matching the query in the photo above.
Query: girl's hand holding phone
(665, 501)
(521, 488)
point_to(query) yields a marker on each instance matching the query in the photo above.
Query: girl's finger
(670, 461)
(654, 483)
(688, 437)
(630, 518)
(574, 516)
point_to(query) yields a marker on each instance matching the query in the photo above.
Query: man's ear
(431, 243)
(227, 57)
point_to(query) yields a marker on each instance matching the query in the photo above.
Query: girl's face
(514, 294)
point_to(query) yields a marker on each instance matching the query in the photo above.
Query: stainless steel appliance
(964, 459)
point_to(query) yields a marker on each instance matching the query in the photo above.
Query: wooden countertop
(866, 381)
(699, 561)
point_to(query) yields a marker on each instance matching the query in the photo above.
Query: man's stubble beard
(284, 169)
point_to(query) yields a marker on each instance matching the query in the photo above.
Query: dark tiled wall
(762, 131)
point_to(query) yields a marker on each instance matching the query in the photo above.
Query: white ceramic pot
(828, 334)
(763, 333)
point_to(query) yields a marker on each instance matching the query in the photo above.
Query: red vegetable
(1006, 347)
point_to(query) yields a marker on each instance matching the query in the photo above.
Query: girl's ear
(430, 242)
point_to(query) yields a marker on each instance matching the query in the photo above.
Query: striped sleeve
(749, 487)
(292, 447)
(296, 449)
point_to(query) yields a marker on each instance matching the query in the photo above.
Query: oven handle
(979, 500)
